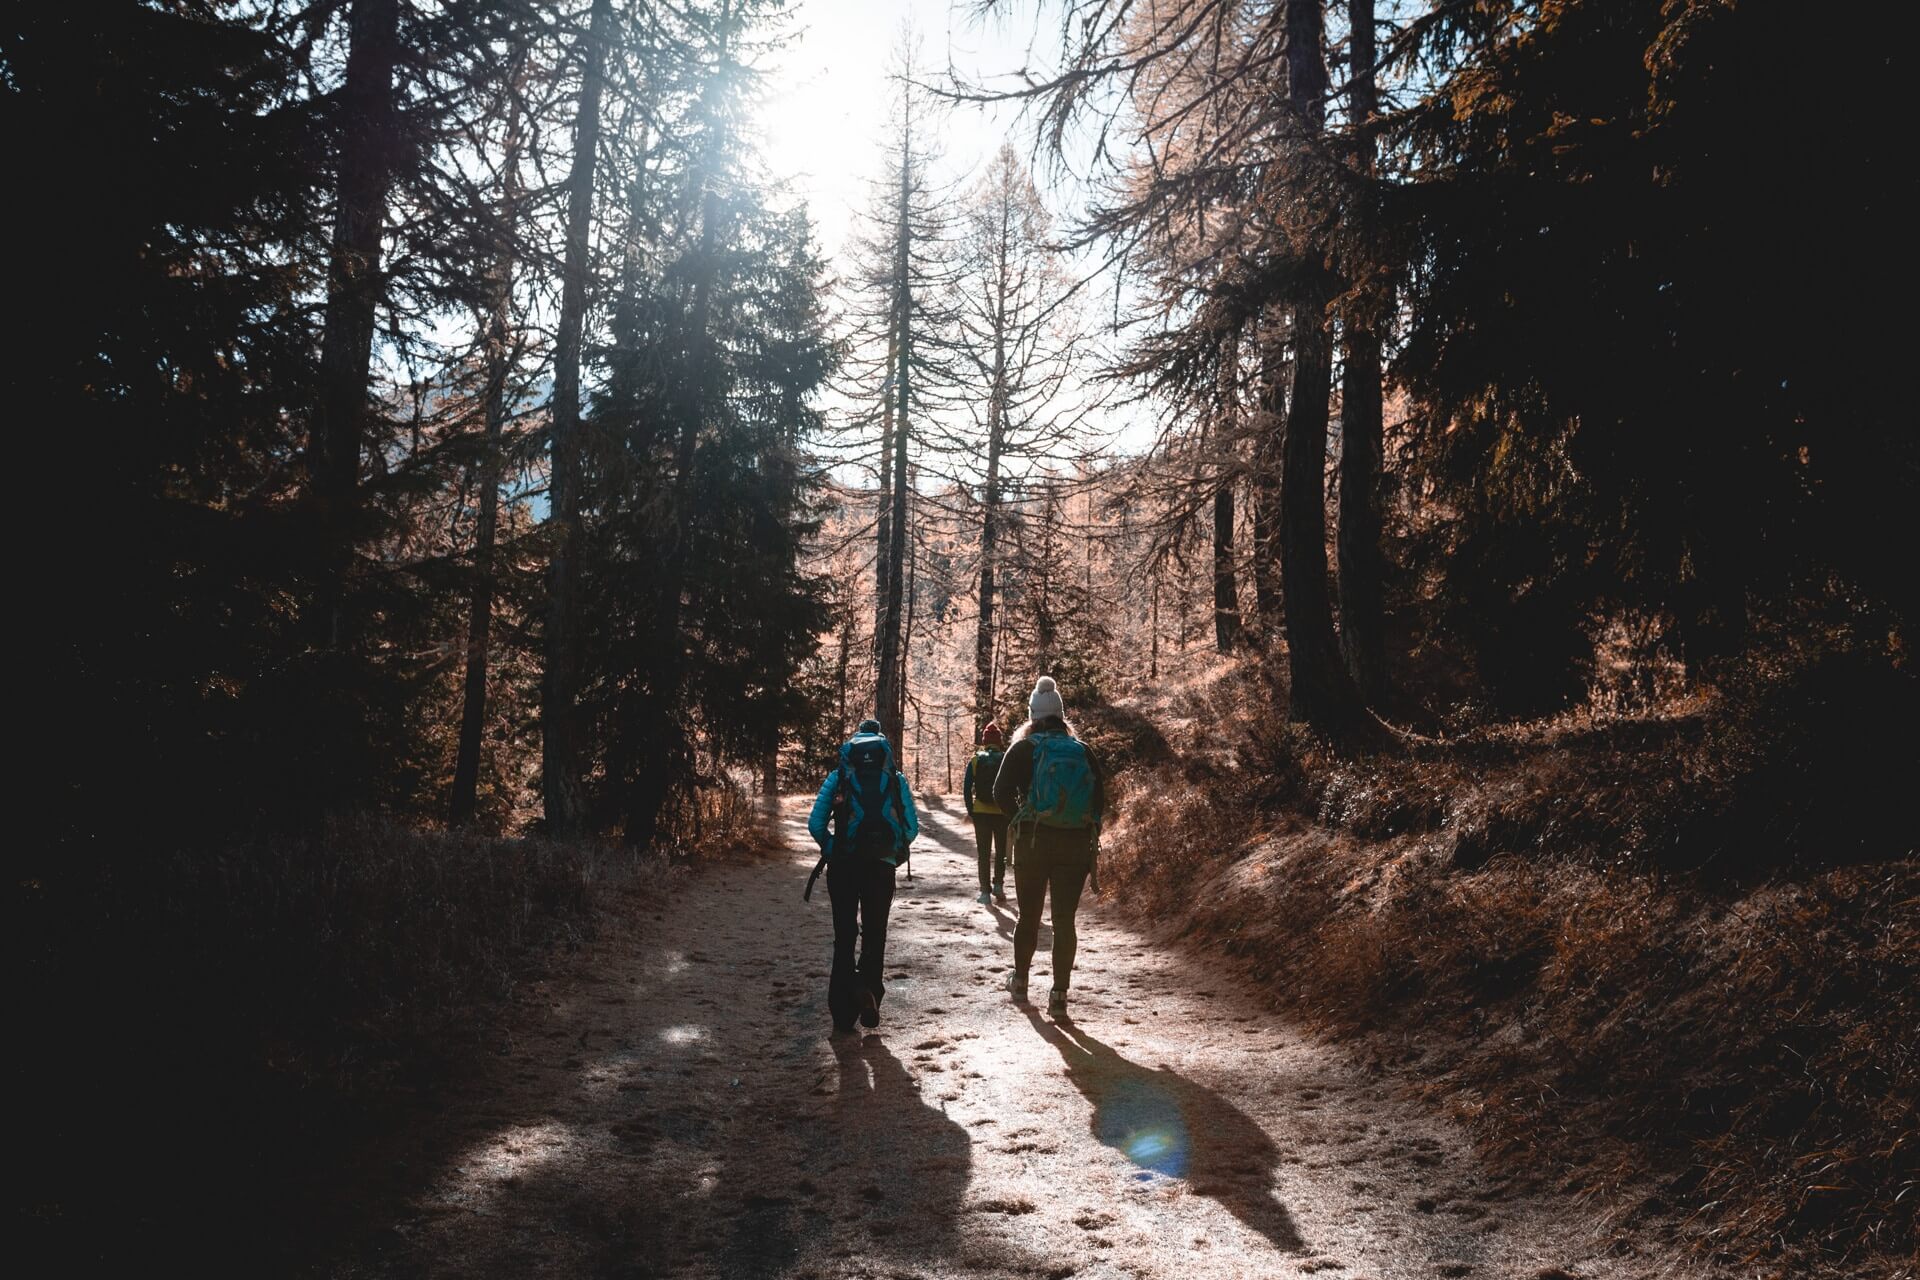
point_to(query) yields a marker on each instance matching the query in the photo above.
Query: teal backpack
(1062, 790)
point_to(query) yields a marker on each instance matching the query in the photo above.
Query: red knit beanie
(991, 733)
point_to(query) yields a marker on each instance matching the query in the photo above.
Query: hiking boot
(984, 898)
(1000, 893)
(1056, 1003)
(869, 1010)
(1017, 988)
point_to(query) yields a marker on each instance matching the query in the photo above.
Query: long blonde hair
(1046, 724)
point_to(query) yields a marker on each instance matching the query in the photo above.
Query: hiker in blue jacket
(864, 822)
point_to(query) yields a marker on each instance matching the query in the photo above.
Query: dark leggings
(862, 893)
(990, 844)
(1037, 865)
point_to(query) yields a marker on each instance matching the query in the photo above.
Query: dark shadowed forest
(1453, 456)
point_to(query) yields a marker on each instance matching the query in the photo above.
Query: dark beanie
(869, 726)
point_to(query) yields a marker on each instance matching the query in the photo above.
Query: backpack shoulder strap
(1025, 812)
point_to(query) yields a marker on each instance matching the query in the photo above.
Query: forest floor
(678, 1109)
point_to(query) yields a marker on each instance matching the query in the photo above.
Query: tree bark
(1269, 600)
(983, 645)
(1226, 590)
(990, 497)
(1227, 627)
(559, 687)
(367, 148)
(890, 686)
(1321, 692)
(499, 358)
(1362, 566)
(883, 541)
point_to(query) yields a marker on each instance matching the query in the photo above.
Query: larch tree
(1229, 630)
(901, 367)
(1015, 334)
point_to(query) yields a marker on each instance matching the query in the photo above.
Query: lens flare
(1142, 1121)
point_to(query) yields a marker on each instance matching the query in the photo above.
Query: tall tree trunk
(890, 686)
(883, 540)
(499, 348)
(1362, 566)
(1226, 589)
(1322, 694)
(990, 497)
(906, 633)
(840, 669)
(1227, 626)
(1269, 601)
(560, 682)
(367, 158)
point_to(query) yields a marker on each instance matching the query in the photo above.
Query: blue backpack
(867, 808)
(1062, 791)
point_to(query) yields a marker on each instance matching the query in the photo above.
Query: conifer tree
(901, 369)
(1320, 689)
(559, 715)
(1015, 334)
(499, 348)
(1362, 566)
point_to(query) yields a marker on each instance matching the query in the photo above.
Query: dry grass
(216, 1028)
(1675, 956)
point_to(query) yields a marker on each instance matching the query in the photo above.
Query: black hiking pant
(861, 889)
(990, 842)
(1057, 860)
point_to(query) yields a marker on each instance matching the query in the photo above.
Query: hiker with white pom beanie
(1054, 789)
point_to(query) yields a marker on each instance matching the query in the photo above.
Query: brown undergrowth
(1672, 959)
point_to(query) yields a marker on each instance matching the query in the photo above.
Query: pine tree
(1362, 566)
(559, 715)
(499, 352)
(367, 150)
(1320, 690)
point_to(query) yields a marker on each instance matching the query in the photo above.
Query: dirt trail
(682, 1112)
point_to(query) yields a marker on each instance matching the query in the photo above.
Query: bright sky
(828, 94)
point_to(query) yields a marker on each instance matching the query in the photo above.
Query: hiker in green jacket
(1053, 788)
(989, 819)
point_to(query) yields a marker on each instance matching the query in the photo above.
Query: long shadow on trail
(882, 1169)
(1162, 1121)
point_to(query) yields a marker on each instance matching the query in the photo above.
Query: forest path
(682, 1112)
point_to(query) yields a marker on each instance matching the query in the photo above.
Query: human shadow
(1166, 1123)
(873, 1169)
(897, 1166)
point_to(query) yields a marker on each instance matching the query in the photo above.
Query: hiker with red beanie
(989, 821)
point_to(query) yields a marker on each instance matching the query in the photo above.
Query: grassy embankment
(1671, 958)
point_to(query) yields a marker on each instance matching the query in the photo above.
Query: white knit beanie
(1045, 701)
